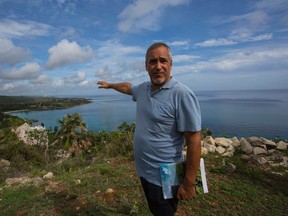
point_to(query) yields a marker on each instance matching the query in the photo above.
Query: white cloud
(10, 54)
(66, 52)
(272, 5)
(75, 79)
(261, 37)
(10, 28)
(113, 48)
(179, 43)
(244, 61)
(247, 25)
(216, 42)
(28, 71)
(144, 14)
(228, 41)
(105, 73)
(6, 87)
(184, 58)
(42, 80)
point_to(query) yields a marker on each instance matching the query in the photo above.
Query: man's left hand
(186, 192)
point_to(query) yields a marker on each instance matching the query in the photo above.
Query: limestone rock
(204, 151)
(235, 142)
(281, 145)
(255, 141)
(49, 175)
(209, 140)
(17, 181)
(4, 164)
(220, 149)
(211, 148)
(262, 160)
(246, 146)
(228, 154)
(24, 180)
(109, 191)
(268, 143)
(259, 150)
(224, 142)
(32, 135)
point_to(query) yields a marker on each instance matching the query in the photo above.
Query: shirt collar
(167, 85)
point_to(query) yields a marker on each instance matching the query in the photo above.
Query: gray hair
(156, 45)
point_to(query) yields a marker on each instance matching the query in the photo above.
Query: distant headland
(38, 103)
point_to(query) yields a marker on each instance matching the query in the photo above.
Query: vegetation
(14, 103)
(81, 182)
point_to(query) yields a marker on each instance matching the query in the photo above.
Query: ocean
(262, 113)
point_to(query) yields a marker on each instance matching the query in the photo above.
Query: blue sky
(61, 47)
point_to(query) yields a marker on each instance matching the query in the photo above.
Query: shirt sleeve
(134, 92)
(188, 113)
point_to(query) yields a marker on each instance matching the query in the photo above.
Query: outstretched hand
(102, 84)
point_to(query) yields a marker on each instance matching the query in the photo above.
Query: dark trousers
(157, 204)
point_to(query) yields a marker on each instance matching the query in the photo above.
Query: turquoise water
(227, 113)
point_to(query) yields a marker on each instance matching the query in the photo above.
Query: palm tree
(72, 128)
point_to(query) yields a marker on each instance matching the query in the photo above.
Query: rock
(255, 141)
(277, 156)
(235, 142)
(209, 140)
(224, 142)
(220, 149)
(17, 181)
(231, 167)
(227, 154)
(281, 145)
(284, 162)
(49, 175)
(246, 157)
(37, 181)
(109, 191)
(4, 164)
(204, 151)
(270, 151)
(262, 160)
(23, 180)
(77, 181)
(230, 149)
(246, 146)
(211, 148)
(259, 150)
(32, 135)
(268, 143)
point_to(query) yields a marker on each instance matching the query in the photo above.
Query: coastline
(15, 111)
(14, 104)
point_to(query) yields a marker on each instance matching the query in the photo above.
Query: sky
(63, 47)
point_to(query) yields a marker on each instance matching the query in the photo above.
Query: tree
(72, 130)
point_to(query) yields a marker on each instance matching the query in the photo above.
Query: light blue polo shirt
(161, 117)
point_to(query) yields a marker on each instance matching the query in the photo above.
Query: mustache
(157, 72)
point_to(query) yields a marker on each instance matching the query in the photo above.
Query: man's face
(159, 65)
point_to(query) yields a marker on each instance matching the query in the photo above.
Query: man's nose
(158, 64)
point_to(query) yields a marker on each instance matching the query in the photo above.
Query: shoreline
(14, 104)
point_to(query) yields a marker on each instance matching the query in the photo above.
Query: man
(167, 113)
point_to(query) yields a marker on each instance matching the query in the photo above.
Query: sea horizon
(241, 113)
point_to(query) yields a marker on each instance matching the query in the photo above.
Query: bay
(262, 113)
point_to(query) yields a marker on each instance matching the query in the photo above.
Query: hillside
(13, 103)
(100, 180)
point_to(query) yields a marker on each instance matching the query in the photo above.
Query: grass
(80, 184)
(248, 191)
